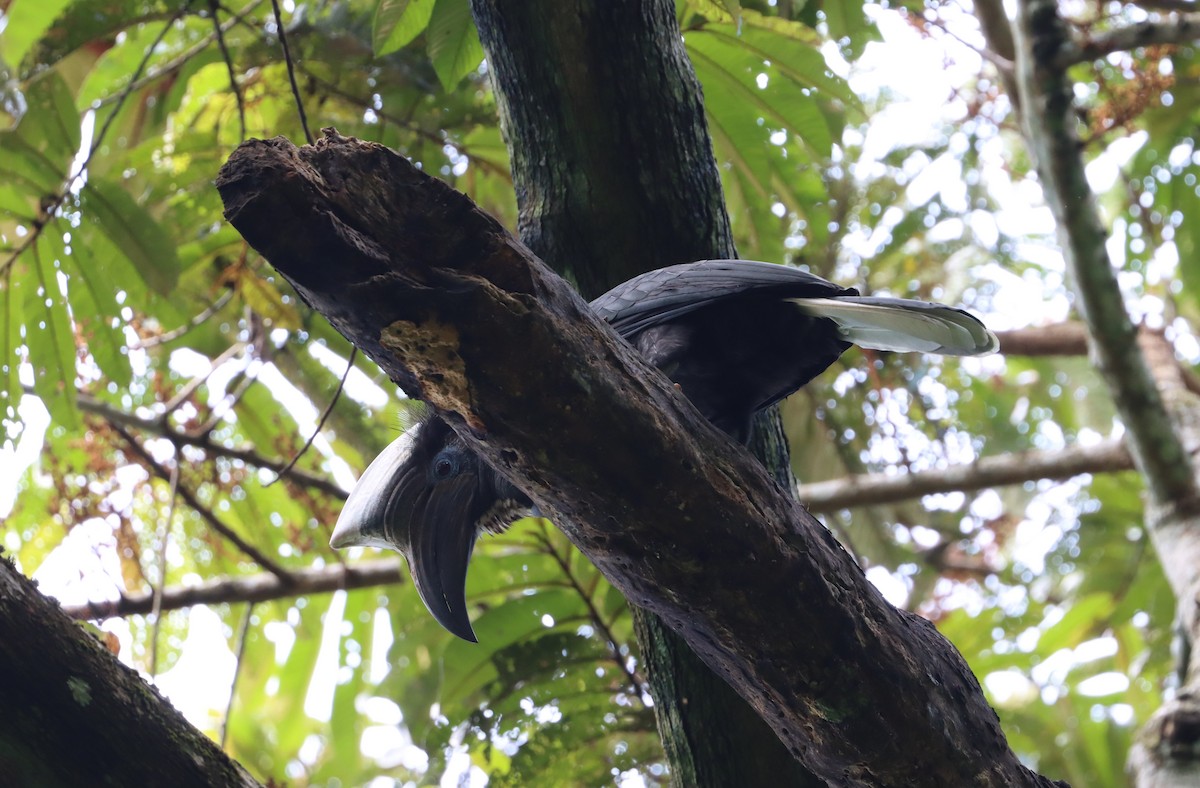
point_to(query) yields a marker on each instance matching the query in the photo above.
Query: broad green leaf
(134, 232)
(846, 21)
(801, 62)
(51, 123)
(398, 22)
(740, 142)
(12, 284)
(26, 21)
(266, 300)
(1085, 619)
(50, 335)
(36, 155)
(468, 667)
(781, 102)
(95, 307)
(453, 42)
(30, 177)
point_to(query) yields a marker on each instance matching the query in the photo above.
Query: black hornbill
(736, 336)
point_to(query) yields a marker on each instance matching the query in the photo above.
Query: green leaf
(50, 335)
(800, 61)
(134, 232)
(36, 156)
(265, 299)
(734, 7)
(26, 21)
(781, 102)
(1085, 618)
(453, 42)
(468, 667)
(11, 319)
(846, 20)
(398, 22)
(94, 304)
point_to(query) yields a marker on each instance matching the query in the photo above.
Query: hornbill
(736, 336)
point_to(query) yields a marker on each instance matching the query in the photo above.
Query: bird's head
(428, 497)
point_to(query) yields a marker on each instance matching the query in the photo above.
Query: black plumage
(736, 336)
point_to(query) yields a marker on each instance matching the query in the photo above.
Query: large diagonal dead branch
(679, 518)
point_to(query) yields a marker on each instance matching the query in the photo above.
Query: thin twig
(195, 322)
(163, 537)
(291, 71)
(233, 83)
(205, 442)
(186, 55)
(321, 423)
(229, 401)
(416, 129)
(189, 497)
(639, 684)
(237, 671)
(188, 389)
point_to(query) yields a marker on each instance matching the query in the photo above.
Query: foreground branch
(54, 670)
(679, 518)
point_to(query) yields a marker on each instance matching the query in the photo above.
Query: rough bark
(1166, 753)
(74, 715)
(614, 174)
(680, 519)
(1162, 424)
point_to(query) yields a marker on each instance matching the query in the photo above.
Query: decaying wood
(679, 518)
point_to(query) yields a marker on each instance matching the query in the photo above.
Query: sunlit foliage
(157, 373)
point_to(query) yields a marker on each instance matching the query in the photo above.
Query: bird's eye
(445, 466)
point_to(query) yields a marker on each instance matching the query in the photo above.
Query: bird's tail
(903, 325)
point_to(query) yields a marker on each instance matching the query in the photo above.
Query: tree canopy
(159, 375)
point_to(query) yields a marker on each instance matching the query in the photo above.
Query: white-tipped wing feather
(902, 325)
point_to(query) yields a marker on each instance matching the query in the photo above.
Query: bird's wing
(665, 294)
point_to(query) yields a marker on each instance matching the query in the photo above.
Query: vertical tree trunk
(1160, 415)
(614, 175)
